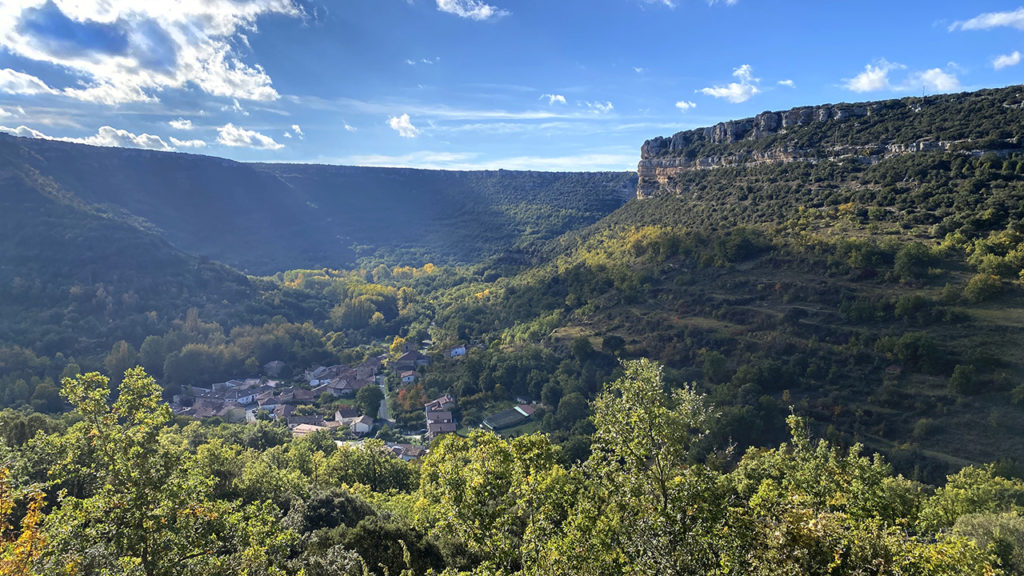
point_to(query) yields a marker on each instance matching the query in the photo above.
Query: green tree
(493, 503)
(646, 511)
(368, 400)
(120, 358)
(142, 509)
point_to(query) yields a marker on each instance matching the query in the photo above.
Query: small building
(411, 361)
(303, 430)
(445, 402)
(435, 429)
(282, 412)
(440, 416)
(361, 425)
(407, 452)
(408, 377)
(508, 418)
(344, 413)
(457, 352)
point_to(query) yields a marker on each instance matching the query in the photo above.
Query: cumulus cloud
(552, 98)
(1006, 60)
(24, 132)
(105, 136)
(403, 125)
(935, 80)
(742, 90)
(787, 83)
(231, 135)
(14, 82)
(876, 77)
(187, 143)
(1012, 19)
(129, 51)
(181, 124)
(109, 136)
(873, 78)
(600, 107)
(472, 9)
(684, 105)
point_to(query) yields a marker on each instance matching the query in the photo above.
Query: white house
(362, 425)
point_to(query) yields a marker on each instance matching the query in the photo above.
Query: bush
(982, 287)
(963, 380)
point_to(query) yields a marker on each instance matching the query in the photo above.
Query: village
(350, 403)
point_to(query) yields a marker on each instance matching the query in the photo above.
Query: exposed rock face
(662, 157)
(734, 143)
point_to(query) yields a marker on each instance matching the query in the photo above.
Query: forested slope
(266, 218)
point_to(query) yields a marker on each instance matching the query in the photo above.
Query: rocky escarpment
(868, 132)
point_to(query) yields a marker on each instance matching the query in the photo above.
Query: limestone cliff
(867, 132)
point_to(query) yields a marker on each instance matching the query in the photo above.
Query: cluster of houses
(255, 399)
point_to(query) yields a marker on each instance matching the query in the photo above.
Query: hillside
(265, 218)
(879, 295)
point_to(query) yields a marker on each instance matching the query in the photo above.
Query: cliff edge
(972, 122)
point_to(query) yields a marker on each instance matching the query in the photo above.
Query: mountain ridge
(803, 134)
(264, 218)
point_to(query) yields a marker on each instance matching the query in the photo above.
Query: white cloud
(736, 92)
(684, 105)
(934, 80)
(109, 136)
(403, 125)
(14, 82)
(1014, 19)
(159, 45)
(787, 83)
(350, 128)
(638, 69)
(873, 78)
(669, 3)
(1006, 60)
(181, 124)
(600, 107)
(231, 135)
(413, 62)
(187, 143)
(552, 98)
(105, 136)
(109, 93)
(24, 132)
(297, 130)
(472, 9)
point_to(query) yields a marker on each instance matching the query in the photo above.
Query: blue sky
(466, 84)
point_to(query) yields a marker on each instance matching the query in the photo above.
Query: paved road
(382, 414)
